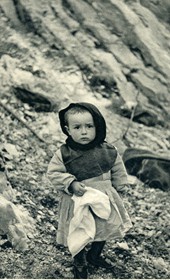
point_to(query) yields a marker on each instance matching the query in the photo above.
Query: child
(87, 161)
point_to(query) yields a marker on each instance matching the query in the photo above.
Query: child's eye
(76, 127)
(90, 125)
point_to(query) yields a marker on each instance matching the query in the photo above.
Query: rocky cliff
(113, 53)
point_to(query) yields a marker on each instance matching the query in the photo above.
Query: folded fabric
(82, 227)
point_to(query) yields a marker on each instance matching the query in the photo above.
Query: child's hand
(78, 188)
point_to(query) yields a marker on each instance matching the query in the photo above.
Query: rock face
(57, 51)
(161, 11)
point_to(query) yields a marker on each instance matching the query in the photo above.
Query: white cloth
(82, 227)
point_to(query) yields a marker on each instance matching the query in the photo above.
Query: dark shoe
(80, 273)
(99, 262)
(80, 265)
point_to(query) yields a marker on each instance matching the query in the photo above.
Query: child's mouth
(84, 139)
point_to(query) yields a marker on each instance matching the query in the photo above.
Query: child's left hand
(122, 189)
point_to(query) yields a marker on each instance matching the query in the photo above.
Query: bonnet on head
(98, 118)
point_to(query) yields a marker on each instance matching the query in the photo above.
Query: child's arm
(119, 175)
(61, 179)
(58, 174)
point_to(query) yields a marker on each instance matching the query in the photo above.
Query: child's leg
(80, 266)
(93, 255)
(96, 249)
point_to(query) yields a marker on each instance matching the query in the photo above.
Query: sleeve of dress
(119, 175)
(58, 174)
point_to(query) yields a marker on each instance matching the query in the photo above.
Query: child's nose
(83, 131)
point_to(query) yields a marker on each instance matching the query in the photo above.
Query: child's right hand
(78, 188)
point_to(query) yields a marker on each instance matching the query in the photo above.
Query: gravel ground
(144, 252)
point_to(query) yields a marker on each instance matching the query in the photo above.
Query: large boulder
(15, 221)
(151, 168)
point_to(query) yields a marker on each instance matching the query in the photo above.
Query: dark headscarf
(99, 122)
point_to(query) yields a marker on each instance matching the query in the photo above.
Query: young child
(87, 161)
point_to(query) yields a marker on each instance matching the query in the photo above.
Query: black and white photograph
(84, 139)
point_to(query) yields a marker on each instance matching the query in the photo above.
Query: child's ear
(67, 128)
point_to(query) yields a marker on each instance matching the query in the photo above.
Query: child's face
(81, 127)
